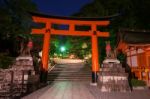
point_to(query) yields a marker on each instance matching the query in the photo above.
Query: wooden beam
(38, 31)
(103, 34)
(65, 21)
(40, 20)
(71, 33)
(139, 45)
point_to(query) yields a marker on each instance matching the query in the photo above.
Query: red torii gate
(48, 30)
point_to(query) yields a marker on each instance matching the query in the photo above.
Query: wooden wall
(138, 58)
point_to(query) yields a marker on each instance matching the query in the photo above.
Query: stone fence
(16, 80)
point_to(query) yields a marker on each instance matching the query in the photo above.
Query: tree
(14, 22)
(133, 14)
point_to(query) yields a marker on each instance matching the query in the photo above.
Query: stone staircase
(70, 72)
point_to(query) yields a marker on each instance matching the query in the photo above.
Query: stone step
(69, 79)
(53, 71)
(70, 73)
(71, 70)
(65, 75)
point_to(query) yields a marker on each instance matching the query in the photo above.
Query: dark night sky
(60, 7)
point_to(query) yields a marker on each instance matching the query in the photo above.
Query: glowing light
(62, 48)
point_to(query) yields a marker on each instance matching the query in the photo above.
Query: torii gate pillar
(95, 63)
(45, 56)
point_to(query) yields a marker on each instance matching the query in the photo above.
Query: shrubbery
(136, 82)
(5, 61)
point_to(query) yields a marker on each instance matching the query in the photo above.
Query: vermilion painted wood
(46, 47)
(70, 32)
(48, 30)
(65, 21)
(95, 63)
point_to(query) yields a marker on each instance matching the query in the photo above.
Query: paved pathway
(81, 89)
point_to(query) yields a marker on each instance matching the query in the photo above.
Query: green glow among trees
(62, 49)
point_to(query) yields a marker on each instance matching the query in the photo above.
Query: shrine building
(135, 44)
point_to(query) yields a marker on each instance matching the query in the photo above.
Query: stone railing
(15, 80)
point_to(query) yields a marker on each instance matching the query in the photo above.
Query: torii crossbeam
(71, 22)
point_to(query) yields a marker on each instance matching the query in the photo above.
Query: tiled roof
(134, 36)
